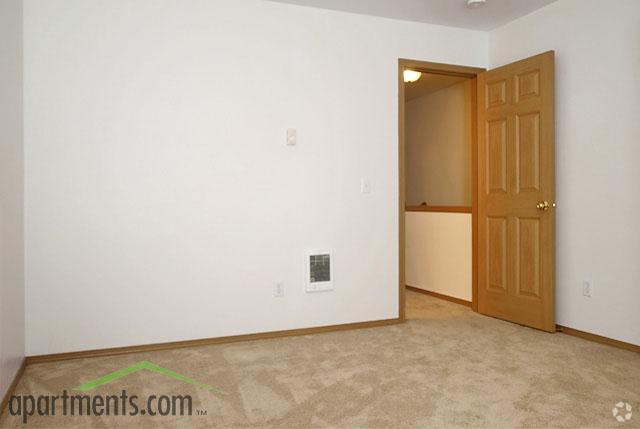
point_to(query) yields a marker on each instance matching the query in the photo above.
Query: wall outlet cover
(278, 291)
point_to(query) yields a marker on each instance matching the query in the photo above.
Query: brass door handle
(544, 205)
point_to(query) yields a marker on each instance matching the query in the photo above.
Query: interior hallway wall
(438, 147)
(162, 202)
(12, 325)
(438, 253)
(597, 152)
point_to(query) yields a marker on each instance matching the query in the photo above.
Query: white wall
(162, 202)
(597, 48)
(11, 194)
(438, 147)
(438, 253)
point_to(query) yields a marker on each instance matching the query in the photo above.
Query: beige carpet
(447, 367)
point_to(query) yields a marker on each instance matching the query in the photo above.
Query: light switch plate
(365, 185)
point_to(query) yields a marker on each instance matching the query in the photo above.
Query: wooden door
(516, 192)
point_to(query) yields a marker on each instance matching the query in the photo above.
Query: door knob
(543, 205)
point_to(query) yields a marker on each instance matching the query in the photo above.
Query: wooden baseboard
(439, 295)
(205, 341)
(598, 339)
(12, 386)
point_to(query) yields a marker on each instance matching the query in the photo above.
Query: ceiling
(453, 13)
(429, 83)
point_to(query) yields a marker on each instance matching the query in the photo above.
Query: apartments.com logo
(124, 404)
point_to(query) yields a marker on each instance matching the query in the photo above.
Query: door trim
(450, 70)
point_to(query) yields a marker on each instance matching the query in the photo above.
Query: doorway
(512, 186)
(437, 105)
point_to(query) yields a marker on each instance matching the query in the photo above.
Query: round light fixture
(411, 76)
(473, 4)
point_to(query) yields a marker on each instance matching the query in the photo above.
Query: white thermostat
(319, 270)
(292, 136)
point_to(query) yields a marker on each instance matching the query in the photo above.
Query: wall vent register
(319, 271)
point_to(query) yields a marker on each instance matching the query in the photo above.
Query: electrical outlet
(587, 288)
(278, 291)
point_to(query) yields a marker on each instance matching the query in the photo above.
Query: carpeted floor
(447, 367)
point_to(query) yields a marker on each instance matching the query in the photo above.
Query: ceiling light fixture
(411, 76)
(474, 4)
